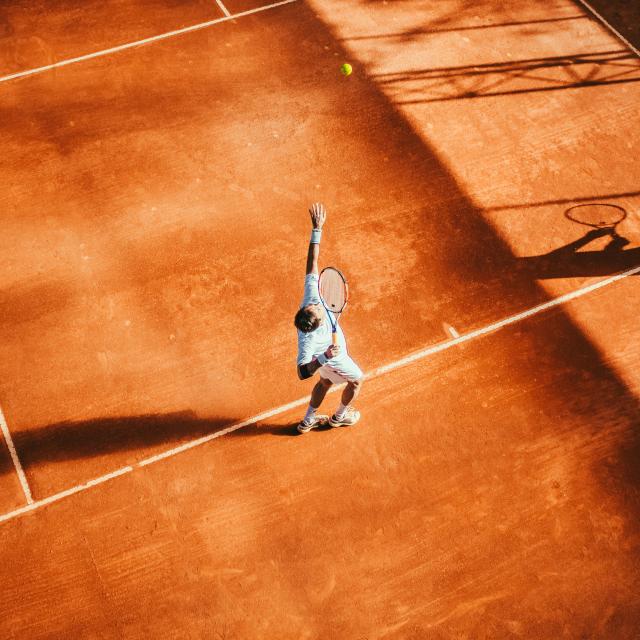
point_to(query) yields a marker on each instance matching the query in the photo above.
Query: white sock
(341, 410)
(310, 415)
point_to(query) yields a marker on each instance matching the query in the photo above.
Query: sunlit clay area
(320, 319)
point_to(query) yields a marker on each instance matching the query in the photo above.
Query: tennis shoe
(351, 416)
(317, 421)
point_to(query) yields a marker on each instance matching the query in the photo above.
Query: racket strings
(333, 290)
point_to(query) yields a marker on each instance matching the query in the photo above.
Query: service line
(414, 357)
(139, 43)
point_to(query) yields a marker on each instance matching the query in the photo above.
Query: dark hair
(306, 320)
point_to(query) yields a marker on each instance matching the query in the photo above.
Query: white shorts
(344, 370)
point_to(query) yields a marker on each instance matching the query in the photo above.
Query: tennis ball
(346, 69)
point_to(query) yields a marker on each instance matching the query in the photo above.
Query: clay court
(158, 159)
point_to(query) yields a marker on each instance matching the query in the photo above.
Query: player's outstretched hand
(318, 215)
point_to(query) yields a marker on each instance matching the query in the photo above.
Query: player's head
(308, 318)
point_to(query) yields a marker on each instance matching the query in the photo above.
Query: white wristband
(322, 359)
(316, 235)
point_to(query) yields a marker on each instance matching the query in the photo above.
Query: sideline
(14, 457)
(609, 26)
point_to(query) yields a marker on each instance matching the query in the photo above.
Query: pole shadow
(511, 77)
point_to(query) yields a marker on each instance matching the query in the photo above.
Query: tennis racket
(334, 293)
(597, 215)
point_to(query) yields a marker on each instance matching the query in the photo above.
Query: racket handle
(334, 337)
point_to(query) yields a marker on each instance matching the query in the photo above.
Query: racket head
(333, 289)
(598, 215)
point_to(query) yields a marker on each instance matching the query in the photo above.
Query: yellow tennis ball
(346, 69)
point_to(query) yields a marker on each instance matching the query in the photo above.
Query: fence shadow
(512, 77)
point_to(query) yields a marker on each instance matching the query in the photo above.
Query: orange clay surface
(38, 33)
(152, 256)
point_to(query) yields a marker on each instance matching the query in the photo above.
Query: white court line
(420, 355)
(63, 494)
(490, 328)
(611, 28)
(138, 43)
(234, 427)
(14, 456)
(223, 8)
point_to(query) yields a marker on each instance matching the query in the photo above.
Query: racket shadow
(571, 261)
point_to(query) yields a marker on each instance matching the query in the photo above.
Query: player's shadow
(569, 262)
(289, 430)
(126, 439)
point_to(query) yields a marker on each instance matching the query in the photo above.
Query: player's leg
(311, 418)
(351, 391)
(319, 391)
(345, 370)
(346, 415)
(349, 394)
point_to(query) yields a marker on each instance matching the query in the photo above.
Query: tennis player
(316, 352)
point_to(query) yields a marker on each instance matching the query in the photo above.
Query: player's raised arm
(318, 215)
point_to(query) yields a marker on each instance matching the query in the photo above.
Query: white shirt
(315, 342)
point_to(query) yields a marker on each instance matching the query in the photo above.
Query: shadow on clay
(107, 436)
(569, 261)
